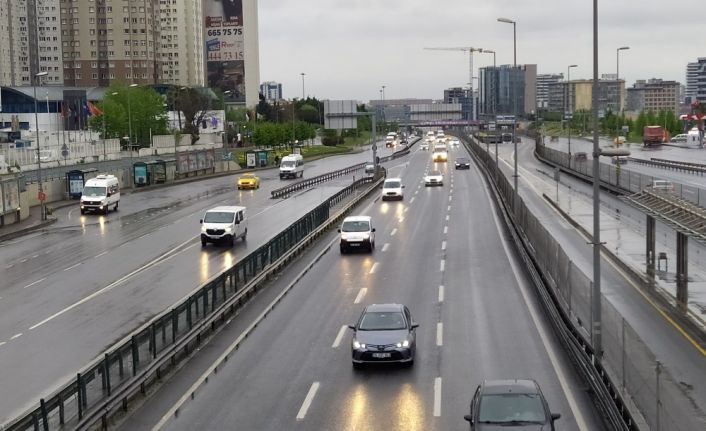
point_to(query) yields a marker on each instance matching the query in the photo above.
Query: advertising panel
(10, 196)
(183, 162)
(225, 58)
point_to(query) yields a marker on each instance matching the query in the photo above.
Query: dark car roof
(516, 386)
(384, 307)
(462, 158)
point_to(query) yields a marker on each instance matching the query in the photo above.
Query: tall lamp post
(225, 132)
(490, 51)
(40, 194)
(383, 108)
(617, 75)
(569, 106)
(514, 38)
(514, 101)
(129, 126)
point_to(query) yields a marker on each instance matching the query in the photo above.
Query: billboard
(225, 51)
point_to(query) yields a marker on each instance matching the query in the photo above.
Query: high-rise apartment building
(271, 90)
(693, 72)
(543, 82)
(508, 89)
(181, 42)
(653, 95)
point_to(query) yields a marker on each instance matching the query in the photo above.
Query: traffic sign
(42, 196)
(375, 147)
(64, 151)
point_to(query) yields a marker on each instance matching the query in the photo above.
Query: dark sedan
(463, 163)
(384, 333)
(510, 405)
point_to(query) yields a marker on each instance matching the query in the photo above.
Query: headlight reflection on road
(101, 224)
(356, 412)
(409, 409)
(204, 266)
(385, 207)
(227, 259)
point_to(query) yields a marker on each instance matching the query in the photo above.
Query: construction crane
(470, 51)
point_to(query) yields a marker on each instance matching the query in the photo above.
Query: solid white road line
(307, 401)
(561, 375)
(442, 265)
(339, 337)
(394, 231)
(373, 268)
(101, 254)
(15, 336)
(439, 334)
(443, 245)
(441, 293)
(360, 296)
(32, 284)
(72, 266)
(446, 229)
(385, 247)
(437, 397)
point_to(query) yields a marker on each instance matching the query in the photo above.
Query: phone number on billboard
(225, 32)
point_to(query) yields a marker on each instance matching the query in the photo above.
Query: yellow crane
(470, 50)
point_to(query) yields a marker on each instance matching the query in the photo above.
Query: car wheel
(343, 249)
(203, 243)
(116, 206)
(245, 234)
(83, 212)
(357, 366)
(231, 241)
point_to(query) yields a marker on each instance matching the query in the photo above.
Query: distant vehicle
(46, 156)
(511, 405)
(424, 146)
(580, 156)
(391, 140)
(680, 138)
(434, 178)
(100, 193)
(357, 232)
(291, 166)
(369, 168)
(248, 181)
(662, 186)
(384, 333)
(654, 136)
(430, 136)
(454, 143)
(392, 189)
(440, 154)
(463, 163)
(507, 137)
(224, 224)
(617, 160)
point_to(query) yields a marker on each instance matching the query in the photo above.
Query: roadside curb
(28, 229)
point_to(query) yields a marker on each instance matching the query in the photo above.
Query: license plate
(354, 244)
(381, 355)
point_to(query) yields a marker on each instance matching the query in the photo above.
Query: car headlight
(366, 236)
(404, 343)
(228, 229)
(357, 345)
(344, 237)
(203, 228)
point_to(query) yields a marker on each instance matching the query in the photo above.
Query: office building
(694, 73)
(507, 90)
(272, 91)
(653, 95)
(577, 95)
(460, 96)
(543, 83)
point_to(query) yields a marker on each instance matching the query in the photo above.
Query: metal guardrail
(107, 384)
(696, 168)
(299, 185)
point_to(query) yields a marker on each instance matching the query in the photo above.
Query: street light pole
(596, 293)
(514, 38)
(42, 211)
(225, 133)
(617, 75)
(129, 126)
(569, 106)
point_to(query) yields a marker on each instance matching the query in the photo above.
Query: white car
(454, 143)
(392, 189)
(424, 146)
(440, 154)
(434, 178)
(357, 232)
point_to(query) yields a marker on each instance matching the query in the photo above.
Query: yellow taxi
(248, 181)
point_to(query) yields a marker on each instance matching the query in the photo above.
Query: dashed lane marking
(72, 266)
(361, 295)
(441, 293)
(439, 334)
(443, 245)
(307, 401)
(36, 282)
(385, 247)
(437, 397)
(442, 265)
(339, 337)
(394, 231)
(15, 336)
(374, 268)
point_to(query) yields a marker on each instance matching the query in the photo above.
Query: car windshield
(355, 226)
(218, 217)
(391, 185)
(462, 160)
(248, 177)
(382, 321)
(93, 191)
(435, 174)
(287, 164)
(500, 408)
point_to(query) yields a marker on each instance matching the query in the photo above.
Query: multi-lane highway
(441, 251)
(71, 291)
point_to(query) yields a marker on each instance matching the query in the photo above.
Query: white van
(392, 189)
(100, 193)
(291, 166)
(224, 224)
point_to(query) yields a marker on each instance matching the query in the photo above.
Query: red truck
(653, 136)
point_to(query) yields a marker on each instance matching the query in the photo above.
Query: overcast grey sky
(350, 48)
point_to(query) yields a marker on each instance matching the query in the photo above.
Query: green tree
(143, 105)
(194, 103)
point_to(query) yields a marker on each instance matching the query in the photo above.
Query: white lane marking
(442, 265)
(72, 266)
(446, 229)
(401, 219)
(439, 334)
(360, 296)
(35, 256)
(307, 401)
(443, 245)
(2, 343)
(415, 192)
(339, 337)
(24, 260)
(143, 236)
(100, 254)
(123, 244)
(450, 197)
(15, 336)
(373, 268)
(411, 200)
(9, 266)
(441, 293)
(394, 231)
(385, 247)
(437, 397)
(32, 284)
(447, 217)
(448, 208)
(561, 376)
